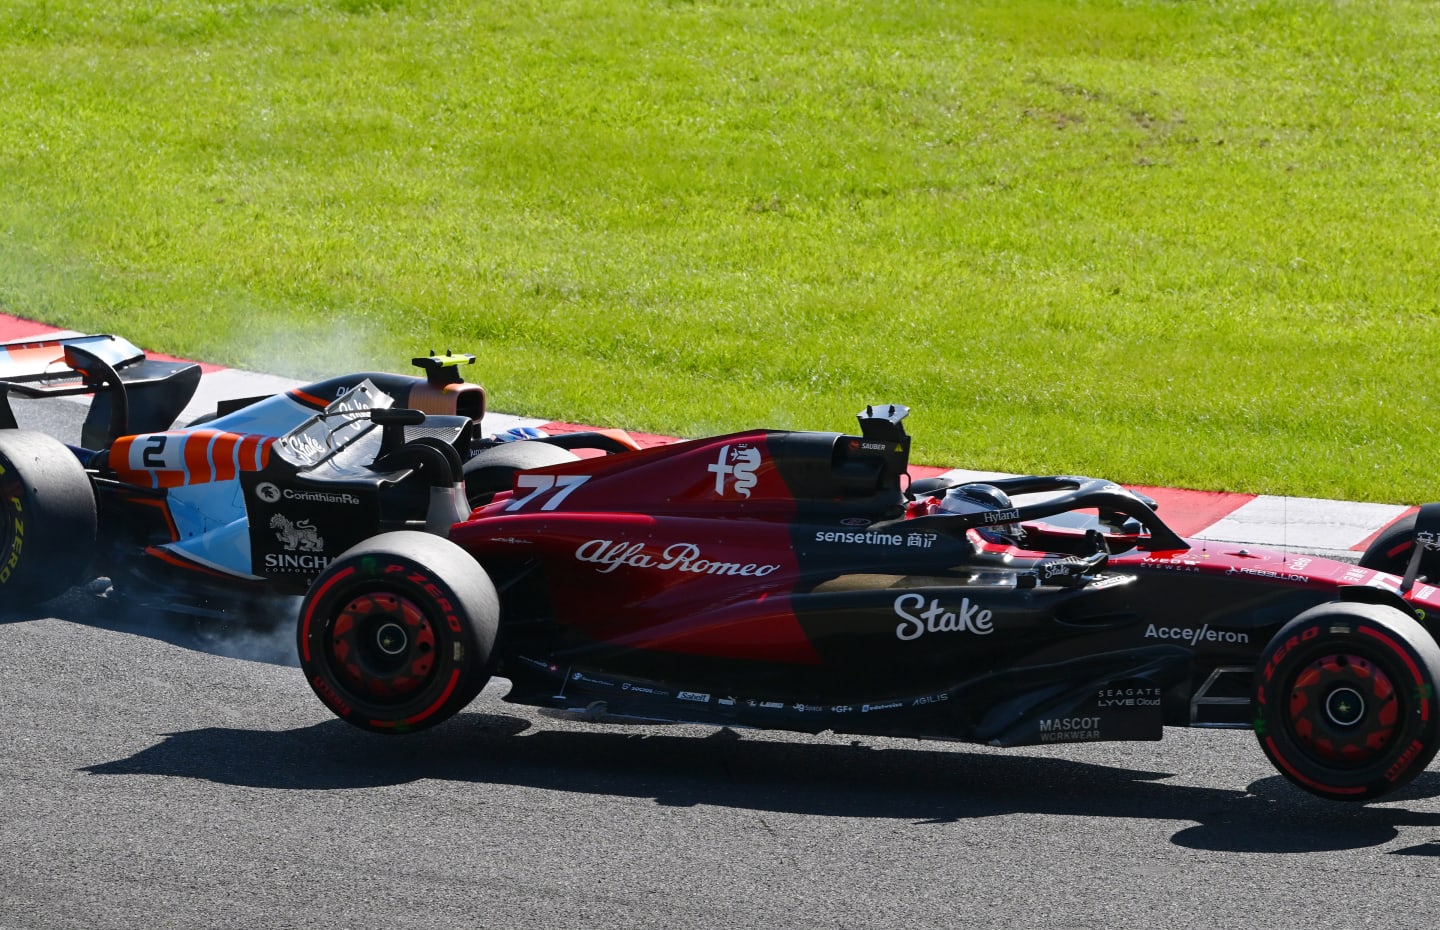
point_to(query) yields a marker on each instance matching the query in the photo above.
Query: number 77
(539, 484)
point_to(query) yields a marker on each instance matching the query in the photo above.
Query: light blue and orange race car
(252, 498)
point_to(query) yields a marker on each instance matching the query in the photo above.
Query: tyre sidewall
(1393, 643)
(493, 470)
(48, 518)
(1391, 550)
(458, 601)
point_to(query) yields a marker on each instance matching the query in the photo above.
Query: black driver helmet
(978, 498)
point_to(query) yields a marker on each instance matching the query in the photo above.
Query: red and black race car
(798, 581)
(775, 579)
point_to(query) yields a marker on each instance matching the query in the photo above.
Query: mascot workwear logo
(738, 462)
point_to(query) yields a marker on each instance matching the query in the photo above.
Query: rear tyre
(492, 470)
(396, 635)
(48, 518)
(1345, 700)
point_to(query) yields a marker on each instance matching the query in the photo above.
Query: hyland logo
(736, 462)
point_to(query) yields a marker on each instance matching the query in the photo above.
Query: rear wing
(40, 364)
(130, 393)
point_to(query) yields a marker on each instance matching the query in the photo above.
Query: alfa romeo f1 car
(249, 500)
(797, 581)
(774, 579)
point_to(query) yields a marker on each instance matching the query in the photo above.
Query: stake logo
(918, 618)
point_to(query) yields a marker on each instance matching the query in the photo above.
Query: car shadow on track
(725, 769)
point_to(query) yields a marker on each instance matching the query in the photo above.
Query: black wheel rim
(1344, 710)
(383, 646)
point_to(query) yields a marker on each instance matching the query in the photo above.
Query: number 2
(153, 454)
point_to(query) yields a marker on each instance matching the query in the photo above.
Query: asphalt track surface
(169, 772)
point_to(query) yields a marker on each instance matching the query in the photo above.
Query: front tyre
(396, 635)
(48, 520)
(1345, 700)
(1391, 551)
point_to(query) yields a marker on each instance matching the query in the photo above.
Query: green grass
(1169, 242)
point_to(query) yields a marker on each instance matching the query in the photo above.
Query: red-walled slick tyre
(1345, 700)
(396, 635)
(47, 518)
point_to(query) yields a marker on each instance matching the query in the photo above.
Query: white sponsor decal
(271, 494)
(289, 561)
(1195, 635)
(696, 696)
(867, 539)
(736, 462)
(1069, 729)
(321, 497)
(1175, 564)
(1143, 696)
(678, 557)
(967, 617)
(1266, 573)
